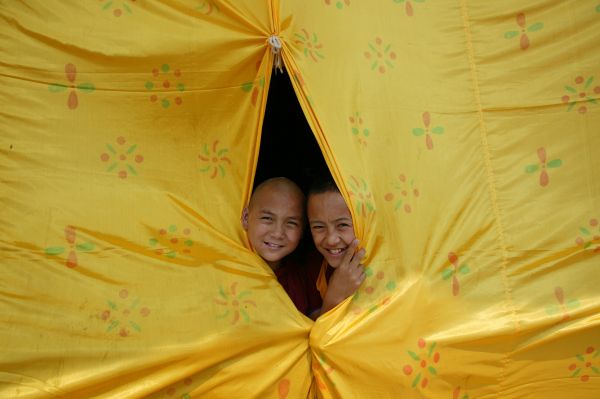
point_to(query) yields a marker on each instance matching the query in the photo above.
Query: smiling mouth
(273, 245)
(336, 251)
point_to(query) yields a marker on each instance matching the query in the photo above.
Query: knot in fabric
(276, 45)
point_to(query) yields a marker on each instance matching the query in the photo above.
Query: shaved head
(281, 185)
(274, 219)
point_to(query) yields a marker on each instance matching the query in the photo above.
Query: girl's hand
(346, 278)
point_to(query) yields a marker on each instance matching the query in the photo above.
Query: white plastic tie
(275, 44)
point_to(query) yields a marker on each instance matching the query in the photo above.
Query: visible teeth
(335, 251)
(269, 244)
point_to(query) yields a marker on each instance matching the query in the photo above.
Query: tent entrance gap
(288, 147)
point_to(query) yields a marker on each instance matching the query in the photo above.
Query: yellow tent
(464, 135)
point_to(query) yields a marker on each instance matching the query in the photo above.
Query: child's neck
(274, 265)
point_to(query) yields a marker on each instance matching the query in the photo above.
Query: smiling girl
(332, 231)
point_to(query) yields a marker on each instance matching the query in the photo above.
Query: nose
(278, 230)
(332, 238)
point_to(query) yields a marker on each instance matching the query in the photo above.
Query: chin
(333, 264)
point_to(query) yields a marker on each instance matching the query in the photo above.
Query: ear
(244, 218)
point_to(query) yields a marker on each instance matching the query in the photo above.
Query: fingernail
(355, 241)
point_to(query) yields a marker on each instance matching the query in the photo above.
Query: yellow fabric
(463, 133)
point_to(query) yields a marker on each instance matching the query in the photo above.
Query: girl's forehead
(329, 205)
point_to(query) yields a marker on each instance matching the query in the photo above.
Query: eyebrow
(334, 221)
(268, 212)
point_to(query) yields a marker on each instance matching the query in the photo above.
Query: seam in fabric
(483, 134)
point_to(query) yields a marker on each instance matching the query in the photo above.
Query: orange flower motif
(122, 315)
(214, 159)
(309, 44)
(236, 304)
(121, 158)
(71, 237)
(585, 364)
(524, 40)
(543, 165)
(425, 361)
(362, 196)
(71, 74)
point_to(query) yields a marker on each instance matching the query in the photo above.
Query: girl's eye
(316, 227)
(266, 218)
(293, 224)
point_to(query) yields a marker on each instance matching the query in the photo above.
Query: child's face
(331, 225)
(274, 222)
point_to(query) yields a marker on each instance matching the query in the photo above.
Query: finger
(349, 253)
(358, 257)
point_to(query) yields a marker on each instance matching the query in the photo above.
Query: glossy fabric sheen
(464, 134)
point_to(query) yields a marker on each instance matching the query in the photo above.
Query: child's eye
(343, 225)
(316, 227)
(293, 224)
(268, 218)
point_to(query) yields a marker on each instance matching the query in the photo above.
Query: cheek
(295, 235)
(348, 236)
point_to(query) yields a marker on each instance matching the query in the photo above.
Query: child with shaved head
(274, 221)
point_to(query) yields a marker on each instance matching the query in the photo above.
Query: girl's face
(331, 225)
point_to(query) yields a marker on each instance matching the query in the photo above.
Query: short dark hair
(323, 184)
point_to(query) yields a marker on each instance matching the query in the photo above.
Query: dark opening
(288, 147)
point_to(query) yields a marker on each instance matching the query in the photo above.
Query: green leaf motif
(57, 88)
(149, 85)
(588, 82)
(165, 68)
(437, 130)
(535, 27)
(413, 355)
(181, 87)
(247, 86)
(531, 168)
(464, 269)
(555, 163)
(131, 149)
(446, 274)
(511, 34)
(418, 131)
(54, 250)
(552, 310)
(153, 242)
(585, 231)
(112, 325)
(86, 87)
(86, 246)
(416, 380)
(431, 348)
(432, 370)
(570, 89)
(135, 326)
(572, 304)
